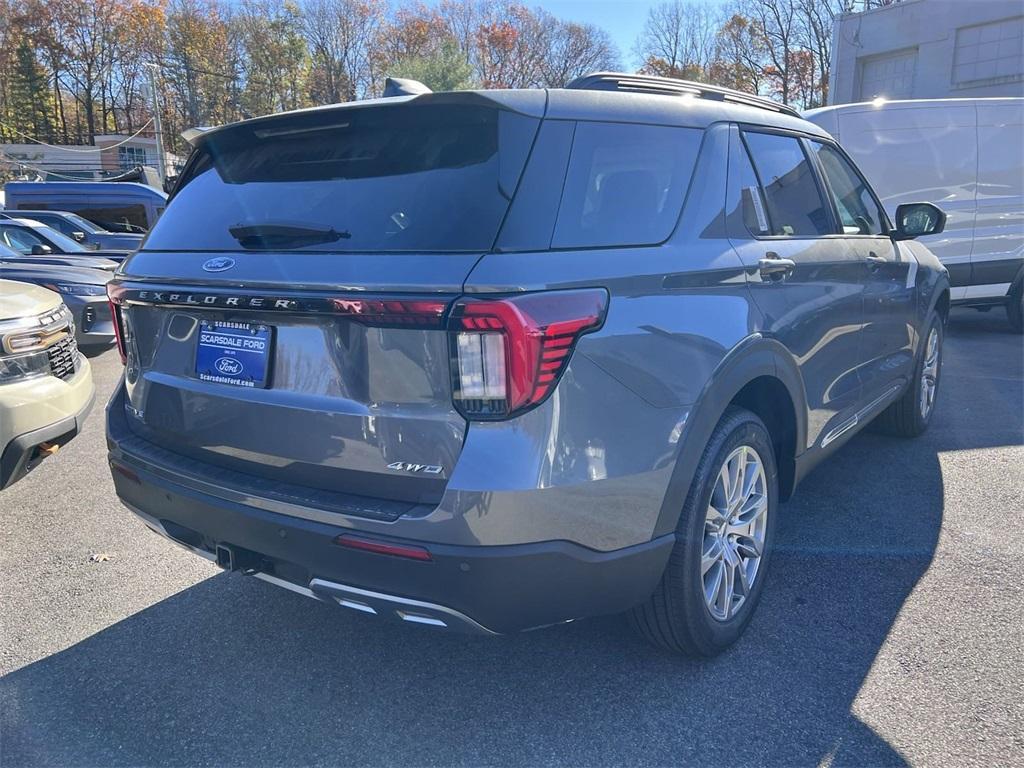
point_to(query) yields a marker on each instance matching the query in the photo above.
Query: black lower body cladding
(502, 588)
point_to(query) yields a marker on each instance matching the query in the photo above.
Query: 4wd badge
(425, 469)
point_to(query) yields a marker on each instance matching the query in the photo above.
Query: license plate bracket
(233, 353)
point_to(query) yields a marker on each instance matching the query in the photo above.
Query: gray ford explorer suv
(495, 360)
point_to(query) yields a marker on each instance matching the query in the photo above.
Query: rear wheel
(716, 572)
(910, 415)
(1015, 308)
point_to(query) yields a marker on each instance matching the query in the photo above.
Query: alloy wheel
(734, 532)
(929, 373)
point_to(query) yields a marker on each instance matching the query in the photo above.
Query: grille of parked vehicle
(43, 345)
(63, 357)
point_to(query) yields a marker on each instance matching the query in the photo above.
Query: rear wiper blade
(269, 236)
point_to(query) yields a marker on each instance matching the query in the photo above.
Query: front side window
(21, 240)
(60, 242)
(858, 212)
(625, 184)
(76, 223)
(792, 196)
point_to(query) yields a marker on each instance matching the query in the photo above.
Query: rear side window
(858, 212)
(625, 184)
(127, 217)
(793, 198)
(418, 177)
(54, 222)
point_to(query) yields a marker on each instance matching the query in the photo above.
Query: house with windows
(111, 155)
(929, 49)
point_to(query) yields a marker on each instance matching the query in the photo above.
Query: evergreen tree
(30, 107)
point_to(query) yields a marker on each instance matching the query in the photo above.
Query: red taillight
(382, 547)
(508, 353)
(113, 298)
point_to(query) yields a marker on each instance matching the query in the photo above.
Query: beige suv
(46, 387)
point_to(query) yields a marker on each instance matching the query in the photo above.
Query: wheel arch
(759, 374)
(941, 303)
(1018, 281)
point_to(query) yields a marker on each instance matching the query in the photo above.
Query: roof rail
(619, 81)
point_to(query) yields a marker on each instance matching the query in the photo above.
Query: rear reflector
(382, 547)
(509, 353)
(393, 312)
(125, 472)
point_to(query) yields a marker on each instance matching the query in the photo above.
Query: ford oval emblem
(219, 264)
(228, 366)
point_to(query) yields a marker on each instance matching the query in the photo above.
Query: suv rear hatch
(284, 322)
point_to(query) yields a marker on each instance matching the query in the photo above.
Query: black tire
(905, 417)
(676, 616)
(1015, 308)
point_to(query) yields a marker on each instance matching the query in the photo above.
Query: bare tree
(81, 65)
(679, 39)
(201, 64)
(778, 25)
(84, 33)
(413, 31)
(463, 18)
(574, 50)
(510, 49)
(741, 60)
(817, 17)
(274, 55)
(342, 35)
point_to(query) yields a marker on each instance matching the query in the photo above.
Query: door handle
(875, 261)
(774, 268)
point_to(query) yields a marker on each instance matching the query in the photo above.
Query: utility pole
(161, 157)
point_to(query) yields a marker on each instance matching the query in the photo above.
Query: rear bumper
(495, 589)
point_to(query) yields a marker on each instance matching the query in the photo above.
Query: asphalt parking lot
(890, 632)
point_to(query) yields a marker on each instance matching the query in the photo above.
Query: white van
(967, 157)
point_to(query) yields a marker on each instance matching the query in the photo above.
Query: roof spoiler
(191, 134)
(404, 86)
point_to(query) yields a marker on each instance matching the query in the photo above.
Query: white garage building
(929, 49)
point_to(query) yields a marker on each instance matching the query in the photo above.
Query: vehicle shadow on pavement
(95, 350)
(234, 671)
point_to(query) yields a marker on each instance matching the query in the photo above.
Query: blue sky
(623, 19)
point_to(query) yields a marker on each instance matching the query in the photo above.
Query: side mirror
(916, 219)
(78, 236)
(41, 250)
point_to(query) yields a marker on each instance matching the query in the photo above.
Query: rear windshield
(397, 178)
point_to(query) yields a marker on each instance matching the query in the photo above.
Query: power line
(64, 148)
(59, 166)
(23, 164)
